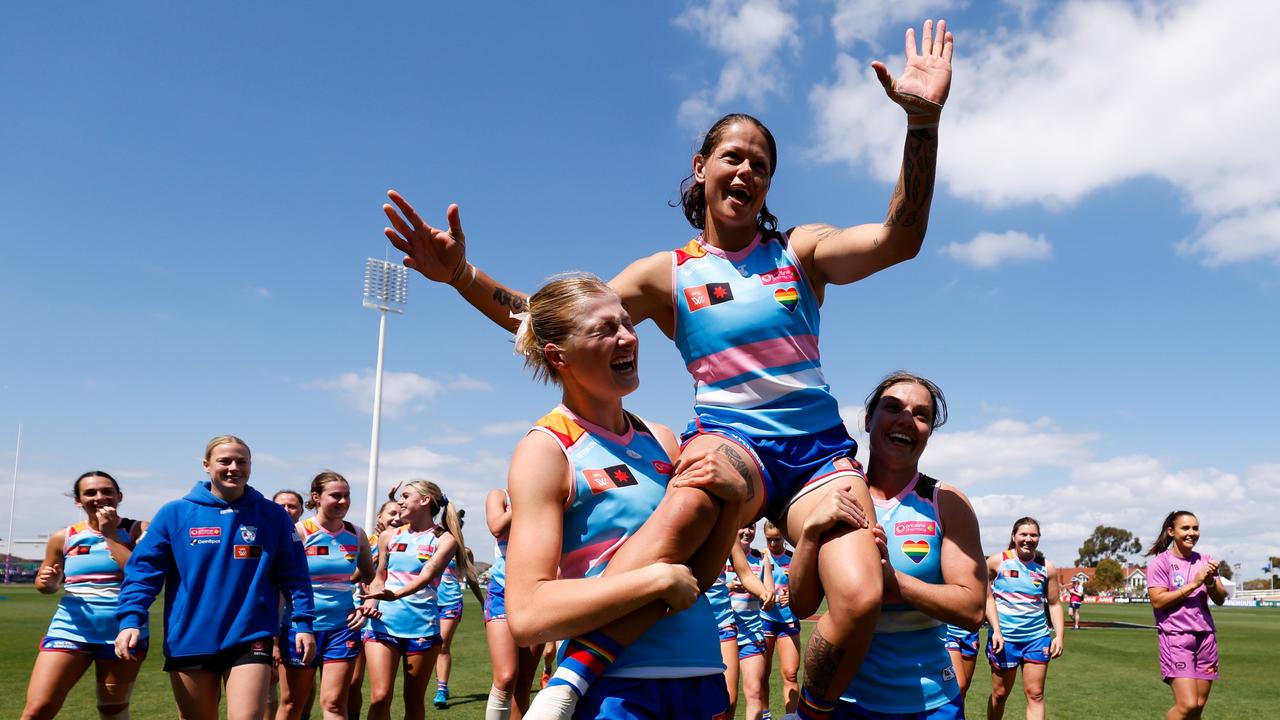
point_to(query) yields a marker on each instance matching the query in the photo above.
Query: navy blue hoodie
(223, 567)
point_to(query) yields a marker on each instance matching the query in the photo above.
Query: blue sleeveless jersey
(617, 483)
(498, 571)
(746, 324)
(718, 597)
(907, 670)
(781, 610)
(1019, 590)
(91, 587)
(416, 616)
(450, 590)
(746, 607)
(332, 559)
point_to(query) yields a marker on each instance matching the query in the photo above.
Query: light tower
(386, 289)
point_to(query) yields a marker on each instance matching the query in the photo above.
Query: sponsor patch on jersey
(781, 275)
(916, 527)
(787, 298)
(197, 532)
(614, 476)
(915, 550)
(248, 533)
(663, 467)
(948, 674)
(247, 552)
(704, 296)
(317, 550)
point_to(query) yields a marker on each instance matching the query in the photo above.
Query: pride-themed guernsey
(91, 588)
(747, 328)
(718, 597)
(746, 607)
(450, 590)
(331, 559)
(417, 615)
(617, 482)
(907, 669)
(780, 612)
(1019, 590)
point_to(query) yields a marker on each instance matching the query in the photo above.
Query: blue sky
(188, 195)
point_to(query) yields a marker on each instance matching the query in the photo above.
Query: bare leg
(247, 691)
(729, 654)
(335, 684)
(788, 650)
(526, 668)
(53, 676)
(1033, 675)
(115, 685)
(382, 662)
(355, 696)
(197, 693)
(1189, 698)
(849, 568)
(444, 660)
(295, 685)
(417, 676)
(755, 686)
(963, 667)
(1001, 684)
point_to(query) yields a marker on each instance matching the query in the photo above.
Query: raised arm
(541, 607)
(839, 256)
(961, 597)
(441, 256)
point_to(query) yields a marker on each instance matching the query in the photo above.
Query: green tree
(1109, 575)
(1107, 543)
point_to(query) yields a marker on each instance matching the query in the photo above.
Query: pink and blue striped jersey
(907, 670)
(331, 560)
(91, 587)
(746, 607)
(617, 483)
(747, 328)
(450, 590)
(417, 615)
(1019, 590)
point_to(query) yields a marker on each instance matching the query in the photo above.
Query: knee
(790, 675)
(857, 604)
(1035, 696)
(504, 680)
(38, 709)
(999, 693)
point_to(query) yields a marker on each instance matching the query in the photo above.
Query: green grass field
(1103, 674)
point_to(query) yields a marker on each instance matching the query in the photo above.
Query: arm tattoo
(820, 231)
(820, 663)
(910, 204)
(509, 299)
(740, 465)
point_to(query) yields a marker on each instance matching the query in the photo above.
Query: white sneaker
(554, 702)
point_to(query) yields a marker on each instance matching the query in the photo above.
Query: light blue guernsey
(415, 616)
(91, 589)
(907, 669)
(617, 483)
(332, 561)
(1019, 590)
(747, 328)
(450, 590)
(781, 609)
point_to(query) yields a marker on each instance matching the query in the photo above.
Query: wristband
(470, 280)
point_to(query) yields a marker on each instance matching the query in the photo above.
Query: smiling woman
(86, 560)
(223, 555)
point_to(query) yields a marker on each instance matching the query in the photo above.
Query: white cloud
(987, 250)
(263, 293)
(402, 392)
(865, 20)
(752, 35)
(506, 427)
(1003, 450)
(1166, 90)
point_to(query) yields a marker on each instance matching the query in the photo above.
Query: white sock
(499, 705)
(555, 702)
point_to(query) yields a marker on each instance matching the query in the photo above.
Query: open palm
(927, 74)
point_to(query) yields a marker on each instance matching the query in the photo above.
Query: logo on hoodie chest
(205, 535)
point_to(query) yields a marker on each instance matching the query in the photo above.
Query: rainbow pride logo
(787, 298)
(916, 550)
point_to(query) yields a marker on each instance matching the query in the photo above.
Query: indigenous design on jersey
(415, 616)
(907, 670)
(747, 328)
(781, 610)
(746, 607)
(1019, 590)
(91, 587)
(598, 520)
(332, 561)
